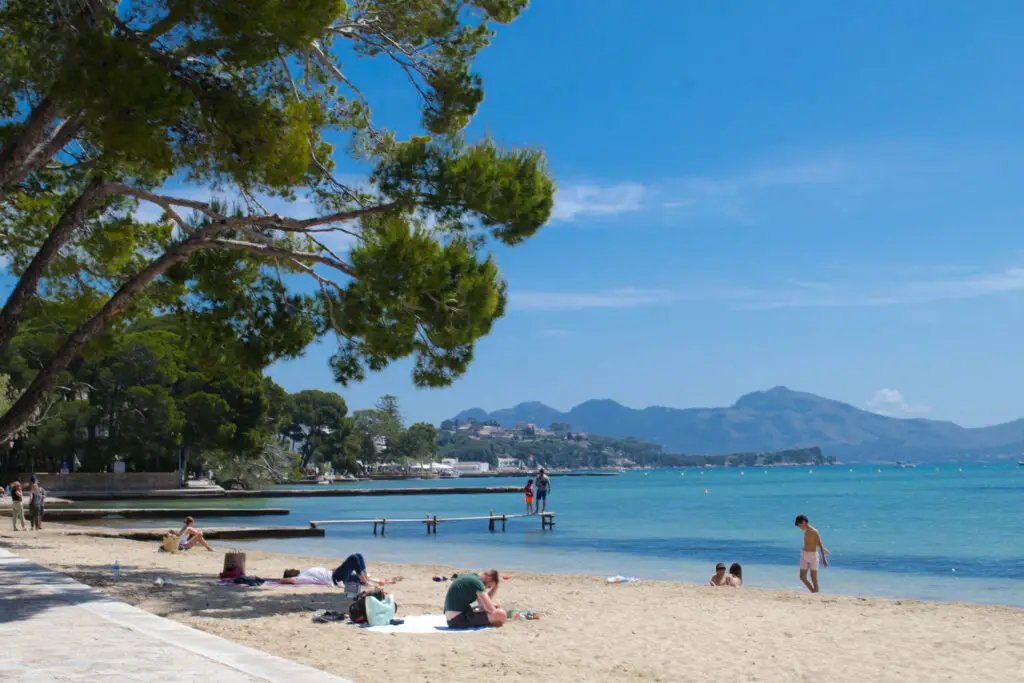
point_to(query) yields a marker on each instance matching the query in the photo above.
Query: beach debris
(518, 614)
(622, 579)
(117, 570)
(439, 579)
(161, 581)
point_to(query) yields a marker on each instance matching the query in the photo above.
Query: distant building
(525, 425)
(510, 464)
(464, 467)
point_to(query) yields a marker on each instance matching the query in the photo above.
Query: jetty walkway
(318, 492)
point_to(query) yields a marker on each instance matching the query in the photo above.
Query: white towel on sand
(423, 623)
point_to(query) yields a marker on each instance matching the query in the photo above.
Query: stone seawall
(106, 481)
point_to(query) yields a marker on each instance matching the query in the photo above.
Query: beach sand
(588, 630)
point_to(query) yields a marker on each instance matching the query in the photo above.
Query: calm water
(946, 533)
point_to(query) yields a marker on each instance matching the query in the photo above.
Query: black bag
(357, 610)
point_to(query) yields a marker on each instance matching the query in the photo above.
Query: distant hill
(773, 420)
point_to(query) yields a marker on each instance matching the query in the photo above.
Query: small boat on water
(448, 474)
(1021, 463)
(905, 465)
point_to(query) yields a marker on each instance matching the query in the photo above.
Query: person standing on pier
(543, 486)
(528, 492)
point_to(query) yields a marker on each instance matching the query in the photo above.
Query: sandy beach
(588, 630)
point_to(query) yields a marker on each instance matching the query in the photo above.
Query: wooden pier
(65, 514)
(319, 492)
(547, 521)
(209, 533)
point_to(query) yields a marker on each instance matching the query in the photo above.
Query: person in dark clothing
(473, 588)
(352, 574)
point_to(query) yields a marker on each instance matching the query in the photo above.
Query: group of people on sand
(812, 550)
(36, 504)
(469, 602)
(733, 579)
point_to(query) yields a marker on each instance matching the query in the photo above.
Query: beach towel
(424, 623)
(271, 583)
(622, 580)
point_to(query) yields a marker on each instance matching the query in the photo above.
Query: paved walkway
(53, 628)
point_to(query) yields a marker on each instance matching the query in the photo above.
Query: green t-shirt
(462, 593)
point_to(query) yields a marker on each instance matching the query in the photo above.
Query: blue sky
(753, 194)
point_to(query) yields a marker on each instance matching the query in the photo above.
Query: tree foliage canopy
(104, 104)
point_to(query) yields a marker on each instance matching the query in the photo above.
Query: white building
(510, 464)
(464, 467)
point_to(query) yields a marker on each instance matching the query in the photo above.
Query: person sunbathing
(311, 576)
(190, 536)
(735, 577)
(351, 574)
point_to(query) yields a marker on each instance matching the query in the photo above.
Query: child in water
(528, 490)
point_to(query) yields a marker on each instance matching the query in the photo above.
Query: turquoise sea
(937, 532)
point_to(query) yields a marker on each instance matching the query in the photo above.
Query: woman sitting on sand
(735, 576)
(190, 536)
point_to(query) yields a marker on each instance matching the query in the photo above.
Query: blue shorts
(542, 495)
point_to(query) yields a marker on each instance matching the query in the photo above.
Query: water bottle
(117, 570)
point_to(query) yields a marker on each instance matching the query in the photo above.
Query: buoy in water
(705, 492)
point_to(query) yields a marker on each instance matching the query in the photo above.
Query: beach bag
(357, 610)
(170, 543)
(380, 612)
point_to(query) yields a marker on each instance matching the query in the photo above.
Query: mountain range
(776, 419)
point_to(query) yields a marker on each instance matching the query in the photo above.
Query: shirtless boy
(809, 554)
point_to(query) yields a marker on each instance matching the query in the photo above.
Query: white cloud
(894, 292)
(595, 200)
(627, 297)
(725, 195)
(891, 402)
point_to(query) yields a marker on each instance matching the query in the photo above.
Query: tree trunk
(28, 283)
(20, 157)
(22, 411)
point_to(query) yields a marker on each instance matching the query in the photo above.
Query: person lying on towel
(351, 573)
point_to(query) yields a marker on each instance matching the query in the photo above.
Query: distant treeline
(591, 451)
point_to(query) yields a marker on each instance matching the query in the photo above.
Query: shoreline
(588, 630)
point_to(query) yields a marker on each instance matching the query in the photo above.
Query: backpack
(357, 610)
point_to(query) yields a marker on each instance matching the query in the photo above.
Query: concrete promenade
(53, 628)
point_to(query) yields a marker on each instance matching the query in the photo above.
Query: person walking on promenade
(17, 505)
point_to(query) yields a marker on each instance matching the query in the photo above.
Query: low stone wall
(107, 481)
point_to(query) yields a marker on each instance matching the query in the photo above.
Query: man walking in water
(809, 554)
